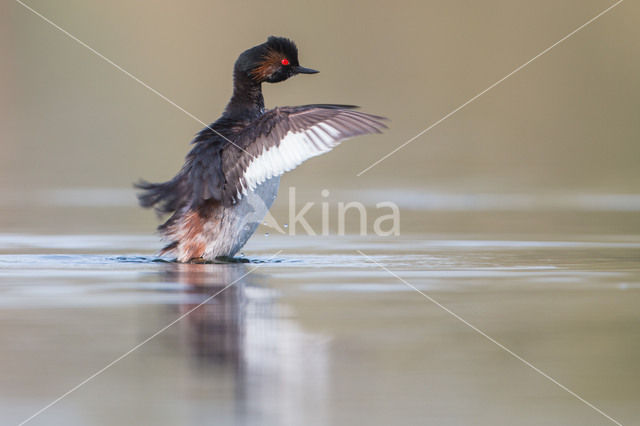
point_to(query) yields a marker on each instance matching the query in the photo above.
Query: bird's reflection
(216, 328)
(246, 331)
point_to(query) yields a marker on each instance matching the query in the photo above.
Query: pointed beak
(303, 70)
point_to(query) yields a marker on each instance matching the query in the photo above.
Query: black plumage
(244, 148)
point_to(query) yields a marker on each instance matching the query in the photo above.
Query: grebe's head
(271, 62)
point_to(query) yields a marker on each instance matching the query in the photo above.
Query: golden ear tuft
(270, 63)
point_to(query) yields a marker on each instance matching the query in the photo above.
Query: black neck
(247, 100)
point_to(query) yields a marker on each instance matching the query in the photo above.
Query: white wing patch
(294, 148)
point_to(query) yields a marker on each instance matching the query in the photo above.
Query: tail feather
(165, 197)
(184, 230)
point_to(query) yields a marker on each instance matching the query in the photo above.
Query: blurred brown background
(567, 122)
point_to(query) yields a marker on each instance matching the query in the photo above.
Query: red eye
(284, 62)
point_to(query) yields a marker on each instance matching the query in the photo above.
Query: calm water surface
(319, 334)
(520, 213)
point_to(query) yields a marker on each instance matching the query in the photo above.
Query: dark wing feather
(283, 138)
(200, 178)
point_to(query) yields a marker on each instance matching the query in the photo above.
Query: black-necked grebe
(230, 178)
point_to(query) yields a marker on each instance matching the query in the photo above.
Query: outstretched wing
(283, 138)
